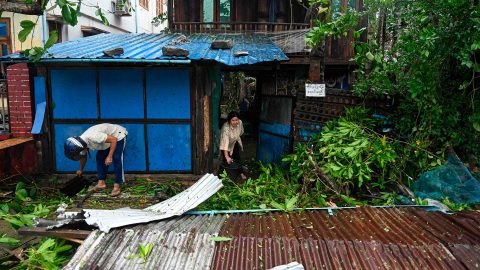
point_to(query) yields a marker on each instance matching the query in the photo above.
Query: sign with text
(314, 90)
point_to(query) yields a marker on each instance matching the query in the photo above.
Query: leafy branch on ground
(143, 253)
(49, 254)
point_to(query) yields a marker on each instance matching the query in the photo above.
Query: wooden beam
(20, 7)
(60, 233)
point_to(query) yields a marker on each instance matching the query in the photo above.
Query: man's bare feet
(101, 185)
(116, 190)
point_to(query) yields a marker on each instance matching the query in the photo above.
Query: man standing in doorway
(110, 141)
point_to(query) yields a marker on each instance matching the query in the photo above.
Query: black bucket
(233, 170)
(76, 184)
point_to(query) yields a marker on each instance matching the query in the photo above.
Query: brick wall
(20, 100)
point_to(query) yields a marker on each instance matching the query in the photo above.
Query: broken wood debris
(174, 51)
(59, 233)
(113, 52)
(222, 44)
(240, 53)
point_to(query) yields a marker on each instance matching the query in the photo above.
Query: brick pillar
(20, 100)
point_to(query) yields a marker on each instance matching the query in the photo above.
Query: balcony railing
(235, 27)
(290, 37)
(4, 115)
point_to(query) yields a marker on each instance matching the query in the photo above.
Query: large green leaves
(27, 28)
(69, 11)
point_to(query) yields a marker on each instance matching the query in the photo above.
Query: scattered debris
(241, 53)
(222, 44)
(440, 206)
(290, 266)
(144, 252)
(220, 239)
(452, 180)
(76, 184)
(174, 51)
(105, 220)
(113, 52)
(67, 234)
(182, 39)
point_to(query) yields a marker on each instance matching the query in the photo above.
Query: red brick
(5, 136)
(20, 77)
(12, 72)
(18, 66)
(13, 88)
(15, 103)
(21, 134)
(24, 98)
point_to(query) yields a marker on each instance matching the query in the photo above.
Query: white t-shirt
(96, 136)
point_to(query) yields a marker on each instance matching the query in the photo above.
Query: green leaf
(291, 203)
(370, 56)
(23, 34)
(27, 24)
(4, 239)
(277, 205)
(14, 221)
(99, 13)
(46, 245)
(52, 39)
(67, 15)
(476, 126)
(4, 208)
(348, 200)
(220, 239)
(61, 3)
(323, 10)
(21, 195)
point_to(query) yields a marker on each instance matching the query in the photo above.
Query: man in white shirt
(110, 141)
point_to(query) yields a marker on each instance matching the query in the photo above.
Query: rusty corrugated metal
(363, 238)
(179, 243)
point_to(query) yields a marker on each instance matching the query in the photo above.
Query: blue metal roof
(148, 47)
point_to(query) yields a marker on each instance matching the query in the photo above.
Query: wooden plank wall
(202, 151)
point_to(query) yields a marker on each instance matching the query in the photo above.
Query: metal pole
(44, 28)
(136, 16)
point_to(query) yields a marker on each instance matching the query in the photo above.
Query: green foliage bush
(346, 155)
(272, 189)
(428, 61)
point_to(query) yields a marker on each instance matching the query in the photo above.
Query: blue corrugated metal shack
(164, 101)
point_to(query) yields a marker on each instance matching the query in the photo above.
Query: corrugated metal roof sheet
(179, 243)
(362, 238)
(186, 200)
(149, 47)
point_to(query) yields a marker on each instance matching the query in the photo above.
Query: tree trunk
(20, 7)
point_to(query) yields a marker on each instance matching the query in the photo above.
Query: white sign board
(314, 90)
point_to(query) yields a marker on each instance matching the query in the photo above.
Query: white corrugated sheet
(290, 266)
(203, 189)
(178, 243)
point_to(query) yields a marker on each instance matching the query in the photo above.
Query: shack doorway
(239, 93)
(267, 116)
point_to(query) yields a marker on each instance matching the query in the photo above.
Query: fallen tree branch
(20, 7)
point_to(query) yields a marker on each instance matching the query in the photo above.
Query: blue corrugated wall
(273, 141)
(152, 139)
